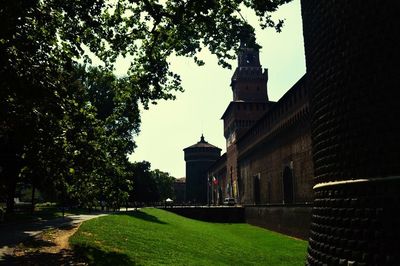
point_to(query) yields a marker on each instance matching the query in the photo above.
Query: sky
(170, 126)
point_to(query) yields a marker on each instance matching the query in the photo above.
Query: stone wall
(211, 214)
(196, 181)
(291, 220)
(352, 58)
(268, 162)
(277, 149)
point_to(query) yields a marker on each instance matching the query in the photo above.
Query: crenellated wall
(274, 156)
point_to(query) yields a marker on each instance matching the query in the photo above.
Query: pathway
(13, 234)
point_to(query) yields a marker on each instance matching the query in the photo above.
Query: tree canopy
(150, 186)
(69, 125)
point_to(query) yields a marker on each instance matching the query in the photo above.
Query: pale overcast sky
(170, 126)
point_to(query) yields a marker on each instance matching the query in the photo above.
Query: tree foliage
(149, 186)
(69, 127)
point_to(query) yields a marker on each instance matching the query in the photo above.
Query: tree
(144, 186)
(164, 184)
(41, 40)
(149, 186)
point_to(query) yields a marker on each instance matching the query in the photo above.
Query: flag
(215, 181)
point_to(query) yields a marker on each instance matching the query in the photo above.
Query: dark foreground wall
(352, 58)
(212, 214)
(289, 220)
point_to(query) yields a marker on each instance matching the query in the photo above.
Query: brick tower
(352, 58)
(250, 102)
(199, 157)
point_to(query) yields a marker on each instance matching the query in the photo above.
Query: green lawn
(153, 237)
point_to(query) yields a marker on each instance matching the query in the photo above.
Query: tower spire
(249, 82)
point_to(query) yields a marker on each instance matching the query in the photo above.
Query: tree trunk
(11, 187)
(33, 199)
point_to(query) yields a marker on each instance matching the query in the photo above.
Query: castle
(268, 144)
(347, 104)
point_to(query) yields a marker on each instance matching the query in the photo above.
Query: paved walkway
(13, 234)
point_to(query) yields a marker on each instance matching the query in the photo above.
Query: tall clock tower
(249, 82)
(250, 102)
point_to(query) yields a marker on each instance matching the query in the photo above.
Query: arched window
(256, 188)
(288, 189)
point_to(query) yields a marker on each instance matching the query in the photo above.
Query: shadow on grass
(41, 258)
(95, 256)
(144, 216)
(12, 234)
(31, 253)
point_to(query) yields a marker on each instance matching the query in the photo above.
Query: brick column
(352, 58)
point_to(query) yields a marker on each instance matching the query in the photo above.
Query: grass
(156, 237)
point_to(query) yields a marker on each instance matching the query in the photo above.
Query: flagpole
(212, 194)
(208, 191)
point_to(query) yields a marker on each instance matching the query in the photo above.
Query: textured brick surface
(213, 214)
(291, 220)
(356, 223)
(352, 59)
(280, 139)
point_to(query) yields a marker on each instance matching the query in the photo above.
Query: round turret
(199, 157)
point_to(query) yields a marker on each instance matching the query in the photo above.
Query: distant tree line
(151, 186)
(67, 127)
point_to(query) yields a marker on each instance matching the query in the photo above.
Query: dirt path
(61, 239)
(50, 247)
(13, 234)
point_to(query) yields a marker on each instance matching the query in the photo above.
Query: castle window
(256, 189)
(288, 189)
(249, 58)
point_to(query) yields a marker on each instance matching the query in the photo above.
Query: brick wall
(280, 140)
(352, 58)
(289, 220)
(196, 181)
(214, 214)
(291, 148)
